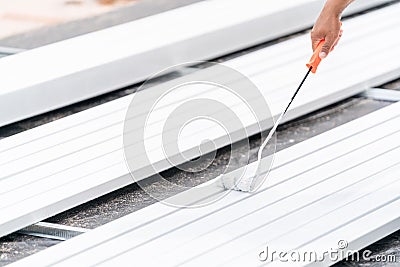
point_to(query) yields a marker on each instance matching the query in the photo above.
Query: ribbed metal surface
(338, 190)
(60, 165)
(89, 67)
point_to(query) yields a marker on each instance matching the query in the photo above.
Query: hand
(328, 28)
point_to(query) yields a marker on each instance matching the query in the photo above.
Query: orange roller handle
(315, 59)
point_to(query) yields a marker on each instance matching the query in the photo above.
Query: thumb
(326, 47)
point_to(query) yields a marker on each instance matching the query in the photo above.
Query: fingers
(316, 38)
(329, 29)
(337, 40)
(315, 42)
(330, 42)
(327, 46)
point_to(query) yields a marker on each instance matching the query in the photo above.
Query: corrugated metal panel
(89, 65)
(340, 188)
(73, 160)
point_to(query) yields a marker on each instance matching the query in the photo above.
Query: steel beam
(382, 94)
(52, 231)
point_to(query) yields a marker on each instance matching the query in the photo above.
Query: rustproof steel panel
(323, 190)
(92, 64)
(73, 160)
